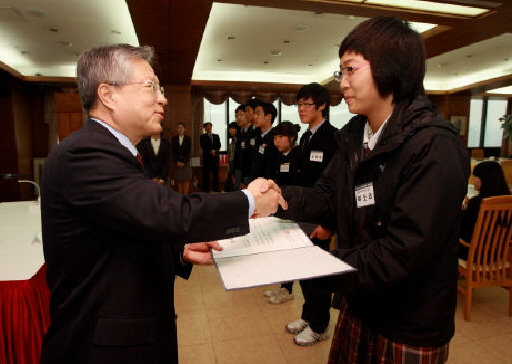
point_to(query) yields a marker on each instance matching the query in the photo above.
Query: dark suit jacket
(156, 166)
(111, 241)
(207, 145)
(181, 153)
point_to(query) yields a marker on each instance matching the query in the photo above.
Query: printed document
(274, 251)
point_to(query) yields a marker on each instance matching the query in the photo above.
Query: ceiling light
(66, 44)
(301, 28)
(266, 63)
(275, 53)
(115, 31)
(231, 37)
(37, 12)
(286, 42)
(431, 6)
(55, 30)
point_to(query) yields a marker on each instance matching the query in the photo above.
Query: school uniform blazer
(111, 243)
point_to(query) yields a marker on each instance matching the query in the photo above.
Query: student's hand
(465, 203)
(200, 253)
(321, 233)
(267, 197)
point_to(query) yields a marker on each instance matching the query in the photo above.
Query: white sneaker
(296, 326)
(281, 297)
(273, 292)
(308, 337)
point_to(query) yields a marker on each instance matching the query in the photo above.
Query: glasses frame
(346, 72)
(155, 86)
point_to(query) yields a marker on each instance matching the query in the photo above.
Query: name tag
(253, 142)
(316, 156)
(243, 144)
(364, 195)
(262, 149)
(285, 168)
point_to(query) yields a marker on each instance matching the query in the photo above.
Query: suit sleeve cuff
(252, 204)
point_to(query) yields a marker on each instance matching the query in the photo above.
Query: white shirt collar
(123, 139)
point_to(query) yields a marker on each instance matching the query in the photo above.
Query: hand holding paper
(200, 253)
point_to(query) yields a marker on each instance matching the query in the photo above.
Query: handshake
(267, 197)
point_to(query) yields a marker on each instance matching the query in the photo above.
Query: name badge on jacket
(285, 168)
(243, 144)
(262, 149)
(252, 142)
(364, 195)
(316, 156)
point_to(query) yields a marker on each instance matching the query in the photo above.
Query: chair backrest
(507, 170)
(477, 153)
(488, 256)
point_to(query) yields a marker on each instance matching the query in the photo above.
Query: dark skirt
(183, 174)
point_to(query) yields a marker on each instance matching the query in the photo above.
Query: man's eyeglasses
(305, 104)
(346, 72)
(155, 86)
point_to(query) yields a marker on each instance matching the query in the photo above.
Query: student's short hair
(287, 129)
(240, 108)
(396, 54)
(233, 125)
(206, 124)
(181, 123)
(252, 103)
(319, 94)
(269, 109)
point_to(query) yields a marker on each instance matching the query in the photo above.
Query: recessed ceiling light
(55, 30)
(266, 63)
(301, 28)
(310, 65)
(115, 31)
(25, 53)
(66, 44)
(37, 12)
(230, 37)
(469, 56)
(286, 42)
(275, 53)
(219, 60)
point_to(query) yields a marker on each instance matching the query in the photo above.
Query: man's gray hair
(107, 64)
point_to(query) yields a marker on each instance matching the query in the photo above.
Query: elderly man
(113, 239)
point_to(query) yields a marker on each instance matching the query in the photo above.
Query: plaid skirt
(355, 343)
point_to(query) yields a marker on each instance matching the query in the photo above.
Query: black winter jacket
(404, 245)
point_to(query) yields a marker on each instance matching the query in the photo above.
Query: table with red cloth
(24, 295)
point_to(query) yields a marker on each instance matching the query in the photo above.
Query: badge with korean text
(364, 195)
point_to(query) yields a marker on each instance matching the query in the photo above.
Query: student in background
(317, 147)
(181, 145)
(249, 135)
(489, 180)
(264, 152)
(243, 126)
(233, 158)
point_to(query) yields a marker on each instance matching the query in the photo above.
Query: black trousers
(317, 301)
(210, 166)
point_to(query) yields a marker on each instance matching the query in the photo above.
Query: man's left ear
(105, 95)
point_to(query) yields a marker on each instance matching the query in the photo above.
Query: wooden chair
(478, 154)
(507, 171)
(489, 256)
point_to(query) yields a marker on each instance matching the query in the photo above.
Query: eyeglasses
(306, 104)
(155, 86)
(346, 72)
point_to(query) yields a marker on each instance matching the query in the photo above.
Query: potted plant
(507, 125)
(506, 148)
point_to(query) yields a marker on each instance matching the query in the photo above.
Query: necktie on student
(139, 158)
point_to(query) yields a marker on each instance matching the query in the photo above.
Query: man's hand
(267, 197)
(200, 253)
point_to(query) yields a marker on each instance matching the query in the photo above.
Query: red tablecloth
(24, 318)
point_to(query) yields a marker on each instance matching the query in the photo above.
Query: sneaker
(281, 297)
(308, 337)
(296, 326)
(274, 292)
